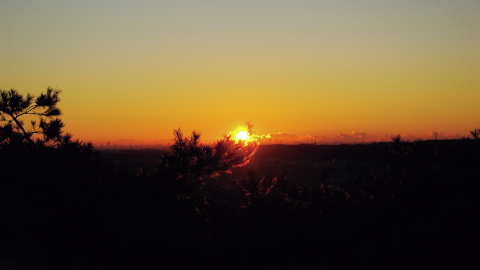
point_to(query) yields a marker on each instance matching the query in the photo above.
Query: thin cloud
(284, 137)
(343, 136)
(408, 137)
(317, 137)
(359, 135)
(279, 137)
(454, 136)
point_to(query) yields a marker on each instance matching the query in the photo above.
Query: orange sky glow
(330, 71)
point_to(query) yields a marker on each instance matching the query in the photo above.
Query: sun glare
(242, 135)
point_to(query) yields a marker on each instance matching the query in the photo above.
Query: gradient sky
(139, 69)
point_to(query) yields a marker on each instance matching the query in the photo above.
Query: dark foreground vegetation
(63, 206)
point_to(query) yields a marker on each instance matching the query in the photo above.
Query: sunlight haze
(313, 69)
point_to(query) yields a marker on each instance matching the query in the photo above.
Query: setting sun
(242, 135)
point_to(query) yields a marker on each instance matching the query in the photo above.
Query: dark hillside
(132, 160)
(292, 206)
(323, 152)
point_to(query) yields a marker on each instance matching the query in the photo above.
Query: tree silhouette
(396, 138)
(14, 106)
(475, 133)
(190, 158)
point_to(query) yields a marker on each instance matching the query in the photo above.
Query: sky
(310, 69)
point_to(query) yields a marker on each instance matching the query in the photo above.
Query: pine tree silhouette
(14, 106)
